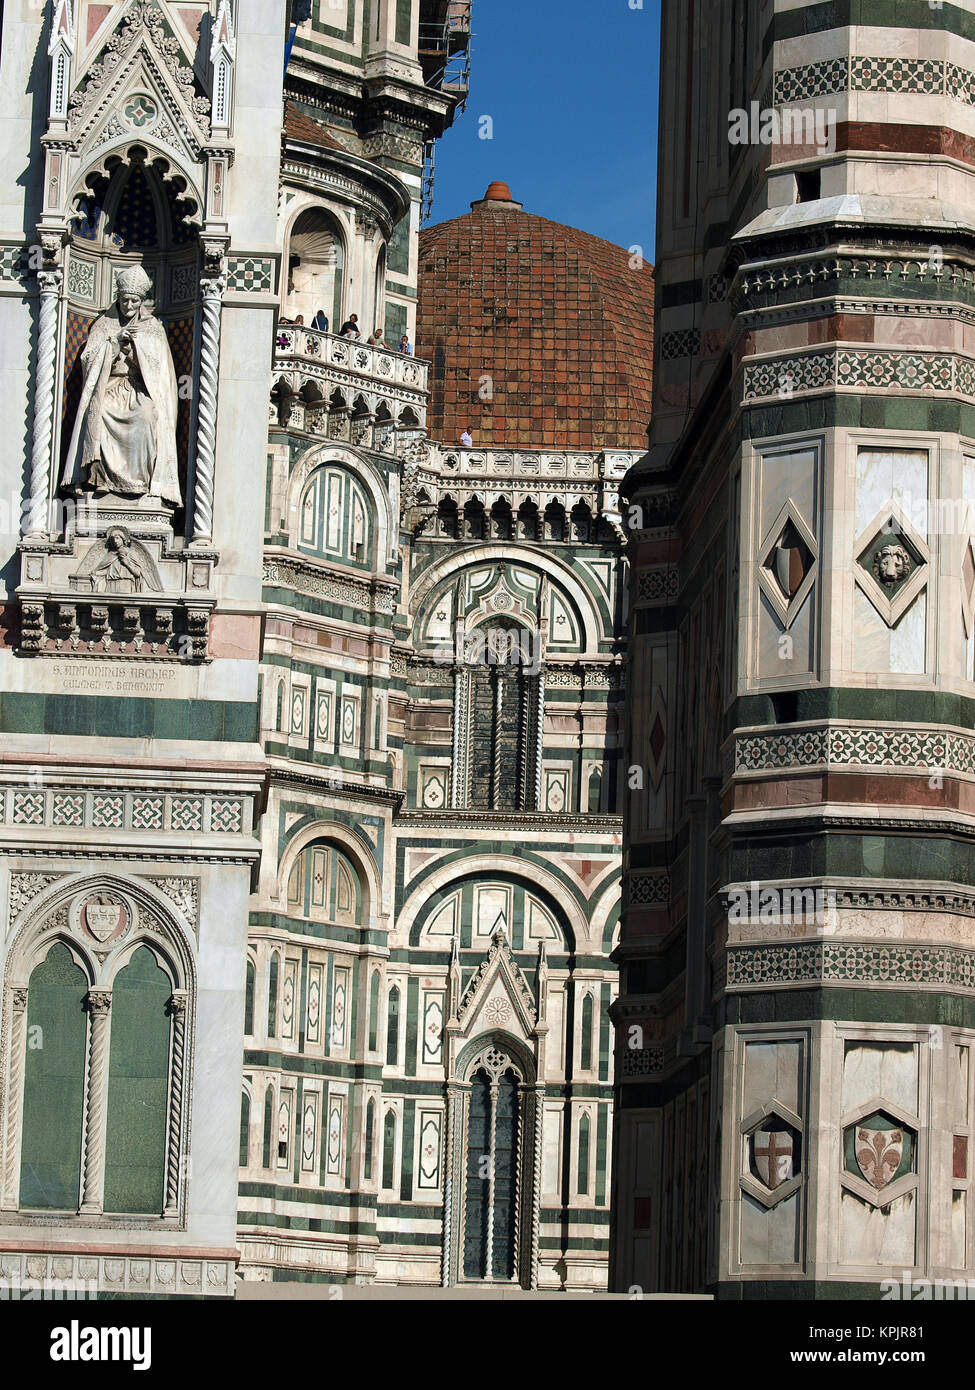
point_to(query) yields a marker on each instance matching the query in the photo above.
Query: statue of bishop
(124, 439)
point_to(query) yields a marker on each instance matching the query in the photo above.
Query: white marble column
(38, 520)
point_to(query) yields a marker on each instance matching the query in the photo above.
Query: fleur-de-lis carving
(879, 1153)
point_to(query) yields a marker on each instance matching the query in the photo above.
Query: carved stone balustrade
(342, 389)
(516, 476)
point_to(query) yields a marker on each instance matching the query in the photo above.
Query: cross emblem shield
(878, 1154)
(773, 1157)
(103, 919)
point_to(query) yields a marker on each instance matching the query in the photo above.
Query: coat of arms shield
(878, 1154)
(103, 919)
(773, 1151)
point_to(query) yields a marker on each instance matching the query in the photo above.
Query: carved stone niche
(116, 586)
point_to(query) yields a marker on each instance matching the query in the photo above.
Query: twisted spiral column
(177, 1011)
(99, 1005)
(40, 465)
(538, 1115)
(206, 422)
(14, 1101)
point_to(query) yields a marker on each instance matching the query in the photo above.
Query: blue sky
(571, 87)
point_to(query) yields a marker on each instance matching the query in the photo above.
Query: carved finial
(224, 39)
(62, 28)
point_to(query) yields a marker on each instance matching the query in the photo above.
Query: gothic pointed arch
(128, 1046)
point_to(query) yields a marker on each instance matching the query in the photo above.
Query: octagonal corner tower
(797, 1016)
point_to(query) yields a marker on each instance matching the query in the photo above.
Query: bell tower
(795, 1028)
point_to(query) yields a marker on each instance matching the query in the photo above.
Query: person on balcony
(320, 321)
(405, 346)
(466, 438)
(300, 321)
(377, 339)
(350, 329)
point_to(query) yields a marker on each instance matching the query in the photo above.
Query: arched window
(272, 996)
(249, 999)
(389, 1149)
(103, 1051)
(501, 691)
(374, 1012)
(392, 1028)
(316, 265)
(245, 1125)
(138, 1087)
(268, 1127)
(335, 517)
(490, 1244)
(324, 885)
(582, 1176)
(279, 709)
(585, 1040)
(54, 1083)
(369, 1140)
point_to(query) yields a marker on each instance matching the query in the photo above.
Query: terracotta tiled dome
(557, 318)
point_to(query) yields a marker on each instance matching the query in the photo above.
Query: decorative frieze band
(48, 1274)
(113, 810)
(657, 585)
(649, 890)
(857, 73)
(783, 377)
(831, 745)
(306, 579)
(851, 964)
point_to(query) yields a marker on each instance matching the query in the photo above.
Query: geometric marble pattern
(852, 963)
(915, 371)
(123, 811)
(874, 74)
(834, 745)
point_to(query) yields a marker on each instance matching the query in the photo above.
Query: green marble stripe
(317, 1196)
(118, 716)
(605, 1042)
(297, 1223)
(409, 1122)
(890, 412)
(578, 1243)
(776, 1290)
(602, 1126)
(294, 1065)
(856, 1005)
(914, 707)
(880, 14)
(413, 1211)
(322, 608)
(322, 931)
(412, 1022)
(799, 854)
(574, 1216)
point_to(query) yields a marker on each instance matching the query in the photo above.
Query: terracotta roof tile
(556, 319)
(304, 127)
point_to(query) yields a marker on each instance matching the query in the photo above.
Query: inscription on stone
(114, 678)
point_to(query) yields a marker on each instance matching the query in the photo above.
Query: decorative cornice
(465, 819)
(373, 597)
